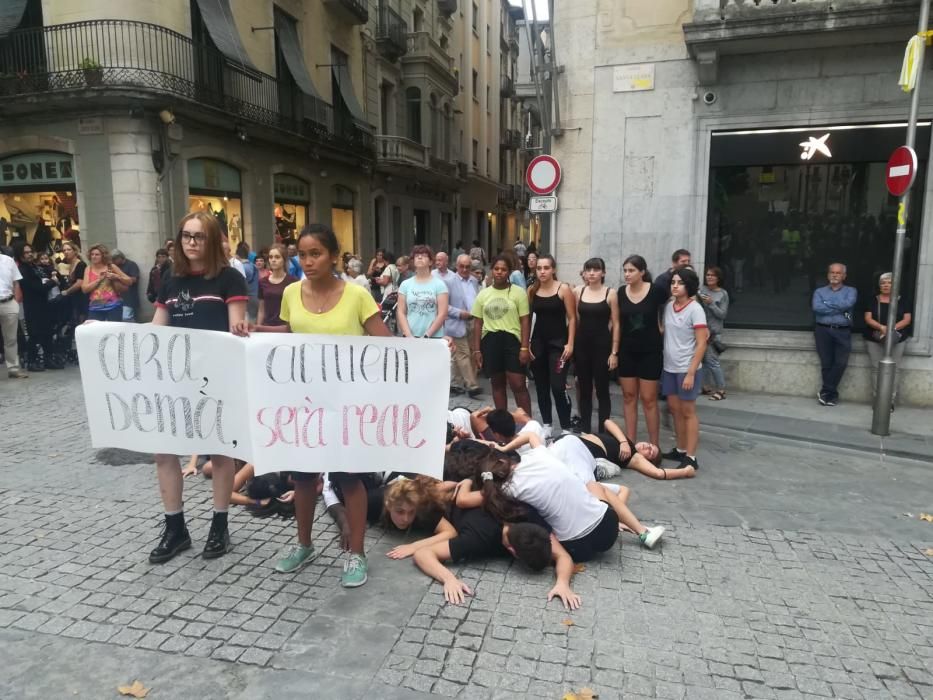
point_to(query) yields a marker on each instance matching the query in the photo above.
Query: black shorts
(336, 478)
(599, 540)
(500, 353)
(642, 365)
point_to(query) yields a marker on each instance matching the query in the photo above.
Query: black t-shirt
(194, 301)
(480, 535)
(639, 322)
(131, 296)
(879, 314)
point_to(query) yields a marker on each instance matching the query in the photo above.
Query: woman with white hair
(876, 330)
(354, 273)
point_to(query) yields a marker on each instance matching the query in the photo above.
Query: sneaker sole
(354, 584)
(650, 542)
(823, 402)
(171, 555)
(304, 562)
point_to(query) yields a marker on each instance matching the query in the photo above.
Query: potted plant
(93, 73)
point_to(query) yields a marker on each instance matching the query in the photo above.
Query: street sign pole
(887, 368)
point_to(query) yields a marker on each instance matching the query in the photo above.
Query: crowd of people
(512, 484)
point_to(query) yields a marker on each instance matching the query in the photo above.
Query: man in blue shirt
(832, 310)
(463, 289)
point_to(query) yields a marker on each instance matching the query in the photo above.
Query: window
(417, 20)
(488, 101)
(475, 85)
(413, 108)
(385, 107)
(476, 19)
(777, 218)
(475, 154)
(488, 160)
(488, 41)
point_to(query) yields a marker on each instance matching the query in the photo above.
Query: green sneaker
(297, 558)
(354, 571)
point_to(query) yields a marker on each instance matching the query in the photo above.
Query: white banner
(281, 401)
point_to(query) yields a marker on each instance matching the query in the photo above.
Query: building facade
(248, 110)
(441, 107)
(756, 136)
(381, 118)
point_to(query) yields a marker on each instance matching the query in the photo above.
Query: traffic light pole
(887, 368)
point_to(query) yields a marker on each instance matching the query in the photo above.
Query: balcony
(506, 86)
(401, 151)
(510, 140)
(722, 27)
(391, 34)
(512, 197)
(351, 11)
(426, 60)
(108, 62)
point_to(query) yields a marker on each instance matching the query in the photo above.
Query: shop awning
(11, 14)
(218, 18)
(287, 33)
(342, 75)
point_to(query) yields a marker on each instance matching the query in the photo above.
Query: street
(786, 572)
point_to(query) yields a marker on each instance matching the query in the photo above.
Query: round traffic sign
(543, 174)
(901, 170)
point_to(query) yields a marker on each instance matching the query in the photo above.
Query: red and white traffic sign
(902, 169)
(543, 175)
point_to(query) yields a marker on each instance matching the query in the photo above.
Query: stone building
(118, 119)
(754, 134)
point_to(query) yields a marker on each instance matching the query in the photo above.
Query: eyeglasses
(194, 238)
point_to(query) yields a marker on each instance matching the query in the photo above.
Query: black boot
(175, 539)
(218, 539)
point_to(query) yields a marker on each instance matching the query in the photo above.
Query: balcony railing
(352, 11)
(421, 45)
(122, 55)
(390, 34)
(398, 149)
(711, 10)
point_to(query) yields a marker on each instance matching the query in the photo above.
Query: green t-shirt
(501, 309)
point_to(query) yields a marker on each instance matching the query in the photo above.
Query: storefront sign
(814, 145)
(90, 125)
(37, 169)
(633, 78)
(288, 188)
(281, 401)
(213, 176)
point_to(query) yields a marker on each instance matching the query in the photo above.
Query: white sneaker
(652, 535)
(546, 431)
(606, 469)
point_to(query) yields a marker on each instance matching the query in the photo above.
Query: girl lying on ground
(265, 495)
(611, 444)
(584, 514)
(464, 534)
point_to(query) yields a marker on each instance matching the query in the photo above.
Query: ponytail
(490, 476)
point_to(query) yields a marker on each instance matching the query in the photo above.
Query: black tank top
(594, 316)
(550, 317)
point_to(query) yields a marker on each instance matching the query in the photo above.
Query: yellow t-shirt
(501, 309)
(355, 307)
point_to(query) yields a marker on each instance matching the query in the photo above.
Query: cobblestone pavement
(783, 574)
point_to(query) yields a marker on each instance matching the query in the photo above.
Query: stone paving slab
(745, 597)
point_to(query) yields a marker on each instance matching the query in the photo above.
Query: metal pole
(887, 368)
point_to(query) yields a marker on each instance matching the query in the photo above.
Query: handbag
(876, 335)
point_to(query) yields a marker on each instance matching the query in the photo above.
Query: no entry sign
(543, 175)
(901, 171)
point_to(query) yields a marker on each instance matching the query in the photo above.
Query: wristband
(520, 349)
(477, 352)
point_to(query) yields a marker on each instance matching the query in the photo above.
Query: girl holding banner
(204, 292)
(324, 304)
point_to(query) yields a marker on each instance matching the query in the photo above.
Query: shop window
(342, 217)
(37, 198)
(475, 19)
(214, 188)
(292, 198)
(781, 210)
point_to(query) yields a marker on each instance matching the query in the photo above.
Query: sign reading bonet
(37, 169)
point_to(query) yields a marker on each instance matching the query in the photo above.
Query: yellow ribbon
(901, 218)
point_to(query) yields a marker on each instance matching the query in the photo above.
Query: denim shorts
(672, 385)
